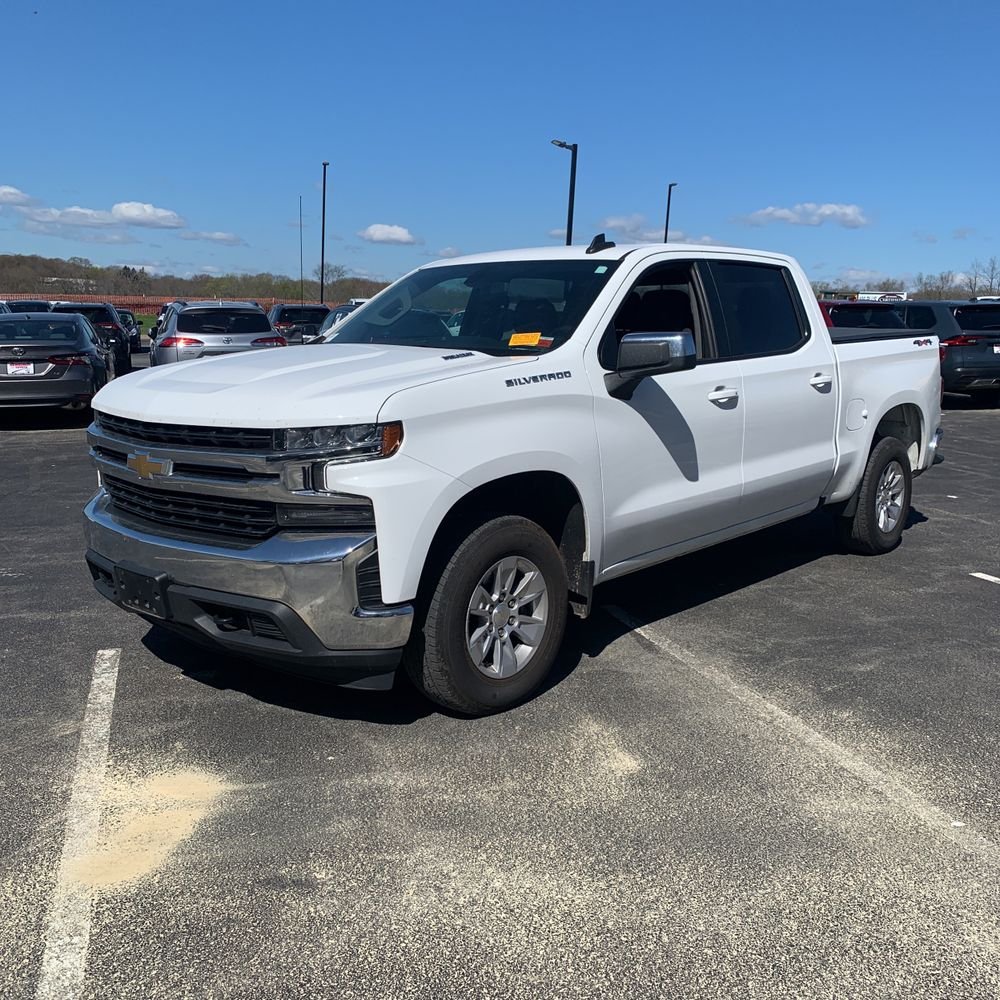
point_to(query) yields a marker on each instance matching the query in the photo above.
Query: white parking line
(879, 781)
(986, 577)
(67, 934)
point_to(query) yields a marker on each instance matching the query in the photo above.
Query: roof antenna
(599, 243)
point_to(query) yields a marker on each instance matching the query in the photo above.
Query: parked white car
(445, 498)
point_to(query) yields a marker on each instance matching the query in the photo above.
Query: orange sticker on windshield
(525, 339)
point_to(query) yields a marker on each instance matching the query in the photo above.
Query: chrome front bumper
(312, 574)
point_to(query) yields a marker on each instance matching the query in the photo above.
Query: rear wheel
(494, 621)
(883, 501)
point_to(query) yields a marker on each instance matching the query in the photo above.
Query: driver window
(662, 300)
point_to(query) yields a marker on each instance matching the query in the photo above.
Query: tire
(990, 397)
(438, 658)
(878, 523)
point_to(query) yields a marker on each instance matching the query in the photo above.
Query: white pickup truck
(443, 496)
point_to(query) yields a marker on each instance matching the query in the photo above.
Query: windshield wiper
(207, 328)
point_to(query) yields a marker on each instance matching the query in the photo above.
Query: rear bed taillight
(180, 342)
(269, 342)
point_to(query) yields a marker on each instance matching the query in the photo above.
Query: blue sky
(860, 137)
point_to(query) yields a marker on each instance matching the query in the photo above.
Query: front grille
(189, 469)
(208, 438)
(193, 512)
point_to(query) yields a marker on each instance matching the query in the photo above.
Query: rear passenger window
(919, 317)
(759, 313)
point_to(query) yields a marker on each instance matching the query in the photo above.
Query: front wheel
(494, 621)
(883, 501)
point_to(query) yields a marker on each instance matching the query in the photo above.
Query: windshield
(59, 331)
(222, 321)
(978, 317)
(508, 307)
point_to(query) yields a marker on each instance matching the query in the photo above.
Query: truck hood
(286, 386)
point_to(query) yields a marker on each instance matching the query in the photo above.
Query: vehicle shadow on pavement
(650, 595)
(701, 577)
(952, 402)
(399, 707)
(43, 418)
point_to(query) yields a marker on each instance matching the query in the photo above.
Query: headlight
(354, 443)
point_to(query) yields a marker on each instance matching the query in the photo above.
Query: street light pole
(302, 285)
(322, 247)
(572, 147)
(666, 225)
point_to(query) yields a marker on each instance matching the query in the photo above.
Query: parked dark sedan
(50, 360)
(29, 305)
(105, 319)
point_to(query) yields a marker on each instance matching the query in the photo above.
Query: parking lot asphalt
(764, 770)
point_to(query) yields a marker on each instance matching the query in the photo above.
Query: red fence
(134, 303)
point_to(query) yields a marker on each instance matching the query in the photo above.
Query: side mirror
(138, 322)
(643, 354)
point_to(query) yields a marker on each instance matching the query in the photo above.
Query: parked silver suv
(207, 329)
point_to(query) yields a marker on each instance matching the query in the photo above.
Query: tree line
(54, 277)
(982, 278)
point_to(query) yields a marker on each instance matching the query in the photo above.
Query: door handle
(821, 381)
(723, 394)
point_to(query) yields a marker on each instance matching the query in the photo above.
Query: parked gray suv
(208, 329)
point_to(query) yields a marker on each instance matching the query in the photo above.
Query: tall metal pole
(322, 248)
(666, 225)
(572, 147)
(302, 292)
(572, 194)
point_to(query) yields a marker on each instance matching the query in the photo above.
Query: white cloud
(810, 213)
(924, 237)
(75, 232)
(449, 252)
(229, 239)
(557, 234)
(860, 276)
(72, 216)
(141, 213)
(13, 196)
(963, 232)
(380, 233)
(635, 229)
(679, 236)
(631, 227)
(362, 272)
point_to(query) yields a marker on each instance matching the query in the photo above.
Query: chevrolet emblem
(145, 467)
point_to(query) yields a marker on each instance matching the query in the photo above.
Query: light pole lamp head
(562, 145)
